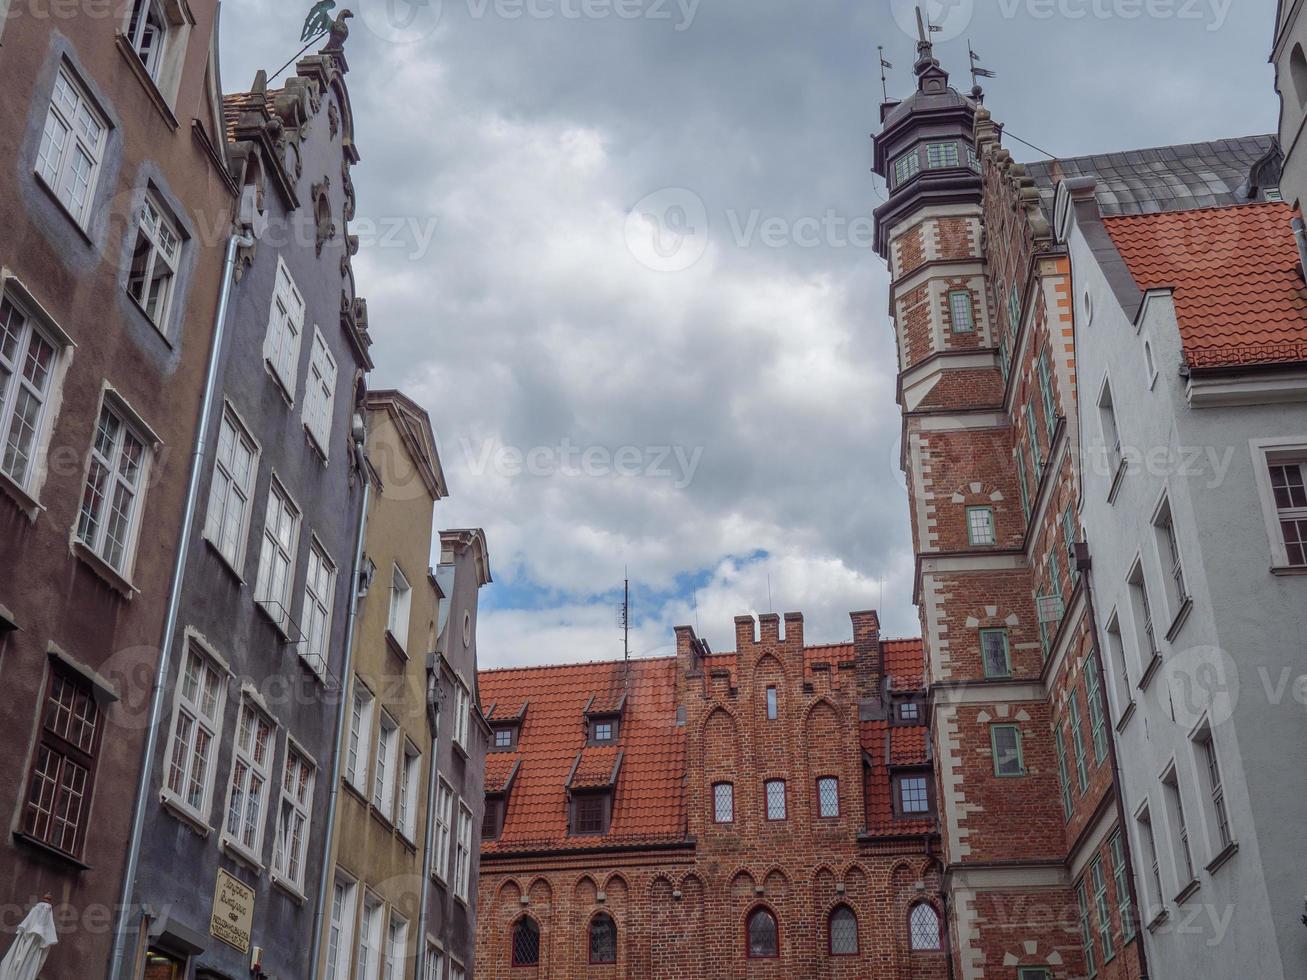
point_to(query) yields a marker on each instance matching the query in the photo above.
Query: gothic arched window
(764, 938)
(923, 926)
(843, 928)
(526, 942)
(603, 939)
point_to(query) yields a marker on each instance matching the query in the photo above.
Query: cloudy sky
(619, 249)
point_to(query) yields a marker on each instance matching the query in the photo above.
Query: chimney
(869, 664)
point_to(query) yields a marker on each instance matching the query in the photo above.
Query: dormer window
(604, 730)
(909, 711)
(591, 813)
(505, 738)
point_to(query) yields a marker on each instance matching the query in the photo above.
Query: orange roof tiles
(903, 746)
(499, 769)
(905, 663)
(1239, 297)
(647, 803)
(596, 766)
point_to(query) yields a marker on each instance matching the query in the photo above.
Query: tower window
(1007, 750)
(828, 797)
(923, 923)
(940, 155)
(775, 792)
(961, 312)
(771, 704)
(980, 526)
(723, 796)
(907, 166)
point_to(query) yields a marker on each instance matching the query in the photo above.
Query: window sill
(287, 395)
(50, 851)
(1126, 715)
(1178, 622)
(136, 304)
(1229, 851)
(318, 448)
(1187, 892)
(1158, 919)
(28, 504)
(381, 818)
(1118, 478)
(290, 889)
(273, 619)
(407, 841)
(224, 560)
(237, 852)
(102, 570)
(355, 792)
(1289, 570)
(142, 76)
(458, 747)
(1149, 671)
(54, 196)
(397, 648)
(183, 813)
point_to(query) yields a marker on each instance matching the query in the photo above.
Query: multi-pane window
(1014, 307)
(588, 813)
(771, 704)
(1049, 609)
(980, 526)
(293, 816)
(409, 779)
(775, 795)
(1184, 858)
(907, 166)
(603, 939)
(444, 830)
(1063, 778)
(434, 965)
(383, 777)
(1036, 451)
(401, 602)
(281, 347)
(63, 764)
(360, 734)
(1108, 428)
(369, 959)
(1122, 883)
(462, 714)
(1211, 772)
(340, 930)
(1168, 550)
(1143, 612)
(319, 585)
(147, 33)
(1290, 492)
(396, 946)
(196, 728)
(1034, 973)
(1101, 907)
(1045, 372)
(110, 514)
(490, 818)
(1078, 742)
(234, 470)
(1023, 486)
(723, 803)
(1097, 717)
(27, 363)
(1069, 542)
(1086, 930)
(503, 738)
(1006, 744)
(994, 652)
(319, 394)
(1152, 856)
(962, 315)
(603, 731)
(1120, 672)
(154, 263)
(923, 927)
(456, 972)
(72, 146)
(277, 557)
(828, 797)
(250, 772)
(763, 936)
(463, 853)
(526, 942)
(842, 927)
(913, 794)
(941, 155)
(909, 711)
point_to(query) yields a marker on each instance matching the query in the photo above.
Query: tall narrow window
(110, 516)
(401, 601)
(1121, 881)
(723, 795)
(463, 853)
(1108, 429)
(1006, 744)
(1036, 452)
(1086, 930)
(1101, 907)
(1168, 551)
(396, 946)
(201, 696)
(526, 942)
(410, 776)
(763, 936)
(72, 147)
(1069, 535)
(1022, 486)
(147, 33)
(63, 765)
(923, 927)
(1152, 856)
(383, 778)
(462, 714)
(980, 526)
(319, 586)
(961, 312)
(1063, 776)
(360, 737)
(828, 797)
(1078, 742)
(1210, 771)
(154, 263)
(293, 817)
(1049, 608)
(444, 831)
(774, 790)
(234, 470)
(250, 773)
(1097, 718)
(603, 939)
(1287, 486)
(369, 961)
(277, 558)
(842, 931)
(1143, 614)
(434, 964)
(340, 931)
(994, 653)
(27, 364)
(1045, 371)
(1120, 671)
(281, 347)
(771, 704)
(319, 394)
(1184, 858)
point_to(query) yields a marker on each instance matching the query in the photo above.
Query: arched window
(1298, 72)
(843, 932)
(603, 939)
(923, 926)
(764, 939)
(526, 942)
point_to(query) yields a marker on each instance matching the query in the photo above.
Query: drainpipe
(347, 666)
(432, 773)
(174, 604)
(1300, 236)
(1085, 564)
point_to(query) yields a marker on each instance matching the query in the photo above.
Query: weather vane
(977, 72)
(884, 66)
(317, 22)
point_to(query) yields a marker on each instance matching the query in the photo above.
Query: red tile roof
(236, 104)
(905, 663)
(499, 769)
(888, 745)
(1239, 297)
(647, 805)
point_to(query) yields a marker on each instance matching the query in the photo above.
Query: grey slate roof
(1165, 178)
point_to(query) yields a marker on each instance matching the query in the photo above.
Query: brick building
(762, 813)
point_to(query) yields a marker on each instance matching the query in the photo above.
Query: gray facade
(459, 759)
(1227, 684)
(257, 657)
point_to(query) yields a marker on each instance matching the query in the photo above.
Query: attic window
(492, 822)
(505, 738)
(604, 731)
(591, 813)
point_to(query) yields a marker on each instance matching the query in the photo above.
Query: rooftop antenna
(977, 73)
(884, 66)
(769, 605)
(624, 621)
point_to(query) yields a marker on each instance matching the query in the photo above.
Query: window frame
(129, 425)
(1279, 452)
(154, 62)
(755, 912)
(1020, 755)
(906, 166)
(772, 705)
(317, 607)
(410, 783)
(1102, 908)
(358, 745)
(989, 525)
(897, 781)
(821, 798)
(285, 871)
(25, 337)
(601, 915)
(603, 799)
(212, 726)
(1121, 882)
(1000, 631)
(948, 157)
(342, 943)
(156, 235)
(247, 756)
(444, 820)
(1086, 927)
(716, 809)
(285, 331)
(959, 300)
(320, 393)
(1216, 813)
(401, 607)
(1063, 773)
(386, 764)
(528, 922)
(370, 937)
(395, 955)
(463, 853)
(936, 921)
(1147, 833)
(223, 479)
(286, 553)
(767, 800)
(1177, 826)
(75, 138)
(830, 931)
(1174, 583)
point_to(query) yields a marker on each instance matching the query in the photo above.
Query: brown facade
(110, 167)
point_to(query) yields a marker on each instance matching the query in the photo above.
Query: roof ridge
(1206, 208)
(1160, 146)
(574, 663)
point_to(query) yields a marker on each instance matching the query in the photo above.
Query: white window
(980, 526)
(1168, 552)
(410, 778)
(456, 972)
(1154, 901)
(250, 768)
(444, 830)
(775, 794)
(360, 737)
(961, 313)
(1281, 468)
(154, 263)
(383, 780)
(320, 392)
(293, 818)
(434, 965)
(1111, 435)
(396, 946)
(462, 713)
(401, 601)
(281, 347)
(234, 470)
(147, 33)
(1142, 610)
(1179, 827)
(463, 853)
(319, 587)
(1209, 774)
(27, 365)
(277, 558)
(196, 728)
(340, 935)
(369, 964)
(110, 516)
(1120, 670)
(72, 146)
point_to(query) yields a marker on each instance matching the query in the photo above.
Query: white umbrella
(31, 945)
